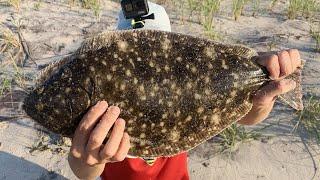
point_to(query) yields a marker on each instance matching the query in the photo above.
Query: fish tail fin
(294, 98)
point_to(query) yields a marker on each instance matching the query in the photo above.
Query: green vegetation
(237, 8)
(94, 5)
(45, 143)
(209, 8)
(306, 8)
(36, 6)
(273, 3)
(315, 34)
(235, 134)
(5, 85)
(10, 51)
(309, 119)
(256, 7)
(14, 3)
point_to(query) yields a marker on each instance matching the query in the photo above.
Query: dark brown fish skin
(175, 91)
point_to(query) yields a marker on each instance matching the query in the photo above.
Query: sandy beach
(55, 29)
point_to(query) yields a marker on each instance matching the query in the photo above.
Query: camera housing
(133, 9)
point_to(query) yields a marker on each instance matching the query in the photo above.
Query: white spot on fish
(122, 45)
(233, 93)
(215, 119)
(143, 98)
(166, 67)
(135, 80)
(141, 88)
(67, 90)
(122, 87)
(193, 69)
(142, 135)
(200, 110)
(235, 76)
(188, 118)
(92, 68)
(189, 85)
(114, 68)
(197, 96)
(209, 51)
(224, 65)
(109, 77)
(128, 73)
(207, 79)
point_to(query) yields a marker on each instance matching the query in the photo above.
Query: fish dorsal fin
(103, 39)
(96, 42)
(235, 49)
(51, 69)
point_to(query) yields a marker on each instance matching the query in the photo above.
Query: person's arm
(279, 66)
(88, 156)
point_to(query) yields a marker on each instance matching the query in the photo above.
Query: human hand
(279, 66)
(88, 155)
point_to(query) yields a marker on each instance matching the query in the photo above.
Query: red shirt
(164, 168)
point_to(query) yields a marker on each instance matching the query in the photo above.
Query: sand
(56, 30)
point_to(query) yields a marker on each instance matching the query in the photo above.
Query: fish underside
(175, 91)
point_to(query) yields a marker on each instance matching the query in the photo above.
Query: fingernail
(114, 109)
(272, 77)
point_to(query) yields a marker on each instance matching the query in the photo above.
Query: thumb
(268, 93)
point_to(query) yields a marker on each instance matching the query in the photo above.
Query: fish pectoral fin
(294, 98)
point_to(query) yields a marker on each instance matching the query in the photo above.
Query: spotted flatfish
(175, 91)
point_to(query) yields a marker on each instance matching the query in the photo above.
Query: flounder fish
(175, 91)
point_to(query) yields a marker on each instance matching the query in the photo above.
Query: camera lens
(128, 7)
(140, 4)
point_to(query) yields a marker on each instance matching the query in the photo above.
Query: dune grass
(7, 39)
(256, 7)
(14, 3)
(230, 137)
(5, 85)
(315, 34)
(37, 5)
(309, 119)
(305, 8)
(94, 5)
(210, 8)
(10, 72)
(237, 8)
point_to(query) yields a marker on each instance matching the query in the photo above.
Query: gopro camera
(134, 8)
(137, 10)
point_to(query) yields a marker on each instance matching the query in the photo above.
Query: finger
(264, 99)
(286, 66)
(267, 94)
(123, 148)
(272, 64)
(295, 58)
(114, 140)
(85, 126)
(99, 133)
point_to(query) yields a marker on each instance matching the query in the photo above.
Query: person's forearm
(84, 171)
